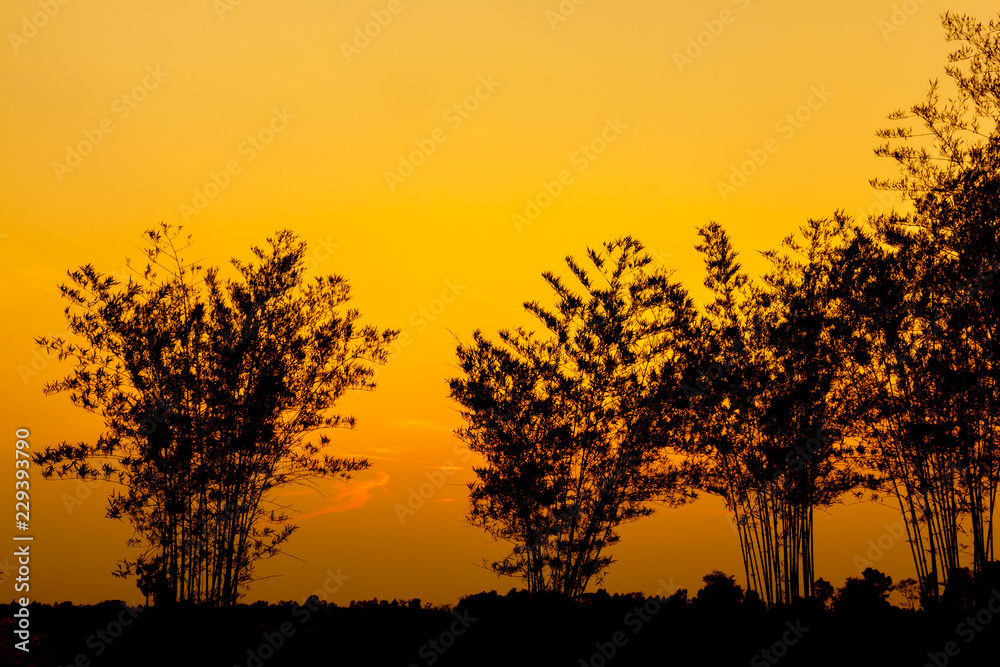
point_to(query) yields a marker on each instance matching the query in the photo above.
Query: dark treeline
(719, 625)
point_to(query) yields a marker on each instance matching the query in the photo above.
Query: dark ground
(511, 630)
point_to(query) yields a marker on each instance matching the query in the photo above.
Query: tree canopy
(248, 369)
(571, 423)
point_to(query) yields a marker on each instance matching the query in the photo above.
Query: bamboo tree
(769, 443)
(924, 300)
(250, 366)
(571, 424)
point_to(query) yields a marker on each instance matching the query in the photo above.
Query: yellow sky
(410, 161)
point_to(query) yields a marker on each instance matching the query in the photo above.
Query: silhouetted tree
(720, 592)
(924, 305)
(575, 427)
(869, 593)
(909, 588)
(823, 591)
(250, 367)
(769, 441)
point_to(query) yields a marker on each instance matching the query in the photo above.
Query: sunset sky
(411, 159)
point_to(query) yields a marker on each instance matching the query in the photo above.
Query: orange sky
(410, 161)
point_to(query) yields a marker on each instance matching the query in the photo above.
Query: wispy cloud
(350, 496)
